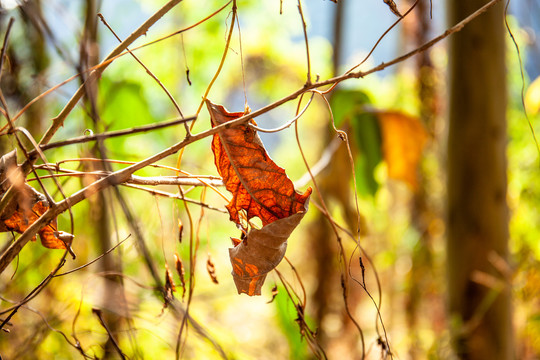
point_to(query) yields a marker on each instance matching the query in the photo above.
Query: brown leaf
(211, 269)
(181, 273)
(180, 231)
(26, 205)
(258, 185)
(169, 286)
(404, 138)
(393, 7)
(275, 293)
(263, 190)
(261, 252)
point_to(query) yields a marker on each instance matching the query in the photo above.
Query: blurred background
(401, 199)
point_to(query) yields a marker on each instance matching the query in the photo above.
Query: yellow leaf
(532, 97)
(404, 138)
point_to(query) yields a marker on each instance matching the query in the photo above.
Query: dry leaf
(275, 292)
(181, 273)
(258, 185)
(393, 7)
(261, 252)
(211, 269)
(263, 190)
(169, 286)
(180, 230)
(404, 138)
(26, 205)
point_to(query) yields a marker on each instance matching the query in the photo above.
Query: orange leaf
(26, 206)
(258, 185)
(404, 138)
(263, 190)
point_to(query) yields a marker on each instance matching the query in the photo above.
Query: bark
(477, 220)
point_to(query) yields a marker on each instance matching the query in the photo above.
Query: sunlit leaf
(26, 206)
(261, 189)
(404, 138)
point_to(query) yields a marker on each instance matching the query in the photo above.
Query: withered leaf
(263, 190)
(181, 273)
(404, 138)
(211, 269)
(26, 205)
(169, 286)
(393, 7)
(261, 252)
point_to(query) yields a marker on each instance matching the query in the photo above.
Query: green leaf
(348, 107)
(286, 313)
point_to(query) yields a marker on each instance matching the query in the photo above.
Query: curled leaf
(261, 189)
(211, 269)
(181, 273)
(275, 292)
(393, 7)
(25, 206)
(169, 286)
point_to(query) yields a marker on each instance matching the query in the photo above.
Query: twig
(308, 81)
(59, 119)
(4, 46)
(93, 261)
(175, 104)
(221, 63)
(176, 196)
(111, 134)
(99, 315)
(287, 124)
(107, 62)
(361, 74)
(522, 92)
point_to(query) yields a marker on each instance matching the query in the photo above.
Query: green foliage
(286, 312)
(349, 109)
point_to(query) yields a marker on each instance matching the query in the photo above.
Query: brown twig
(112, 134)
(176, 196)
(59, 119)
(4, 46)
(93, 261)
(99, 315)
(308, 81)
(169, 95)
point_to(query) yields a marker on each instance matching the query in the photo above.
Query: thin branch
(176, 196)
(287, 124)
(308, 82)
(169, 95)
(99, 315)
(522, 92)
(93, 261)
(58, 121)
(4, 45)
(112, 134)
(221, 63)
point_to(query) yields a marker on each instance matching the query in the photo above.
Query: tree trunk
(477, 210)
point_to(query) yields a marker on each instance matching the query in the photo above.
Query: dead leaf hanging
(26, 205)
(261, 189)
